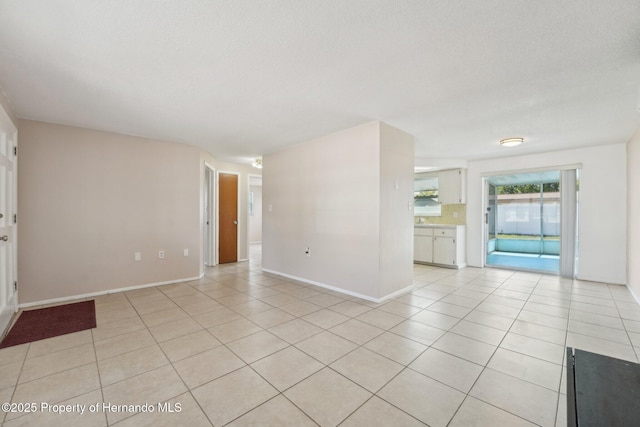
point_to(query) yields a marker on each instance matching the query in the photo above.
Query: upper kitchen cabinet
(452, 186)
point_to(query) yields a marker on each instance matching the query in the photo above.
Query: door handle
(235, 222)
(4, 238)
(486, 218)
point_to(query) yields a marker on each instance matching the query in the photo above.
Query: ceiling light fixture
(257, 163)
(511, 142)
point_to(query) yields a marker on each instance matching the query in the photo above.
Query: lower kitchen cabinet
(423, 245)
(444, 250)
(440, 245)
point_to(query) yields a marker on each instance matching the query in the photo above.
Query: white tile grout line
(625, 328)
(451, 291)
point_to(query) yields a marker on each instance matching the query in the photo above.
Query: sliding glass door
(523, 220)
(490, 217)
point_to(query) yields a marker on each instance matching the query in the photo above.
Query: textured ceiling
(246, 77)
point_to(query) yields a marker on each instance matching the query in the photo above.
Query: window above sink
(426, 200)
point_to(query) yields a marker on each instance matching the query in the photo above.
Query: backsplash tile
(447, 216)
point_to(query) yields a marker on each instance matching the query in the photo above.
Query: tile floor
(239, 347)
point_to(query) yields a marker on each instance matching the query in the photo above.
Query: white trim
(7, 314)
(635, 297)
(396, 294)
(110, 291)
(435, 264)
(212, 238)
(341, 290)
(529, 170)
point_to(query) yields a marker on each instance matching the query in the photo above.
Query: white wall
(633, 225)
(603, 206)
(396, 215)
(326, 194)
(87, 200)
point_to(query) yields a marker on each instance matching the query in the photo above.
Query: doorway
(208, 226)
(227, 217)
(255, 217)
(8, 219)
(529, 221)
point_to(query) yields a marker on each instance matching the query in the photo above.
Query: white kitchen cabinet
(452, 186)
(423, 244)
(444, 250)
(440, 245)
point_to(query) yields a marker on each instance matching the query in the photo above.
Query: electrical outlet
(186, 252)
(137, 256)
(161, 254)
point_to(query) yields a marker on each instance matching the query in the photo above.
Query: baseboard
(396, 294)
(110, 291)
(341, 290)
(635, 297)
(435, 264)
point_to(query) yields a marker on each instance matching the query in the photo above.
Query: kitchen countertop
(437, 225)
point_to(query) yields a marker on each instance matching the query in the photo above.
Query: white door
(8, 230)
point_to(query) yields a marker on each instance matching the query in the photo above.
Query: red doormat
(34, 325)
